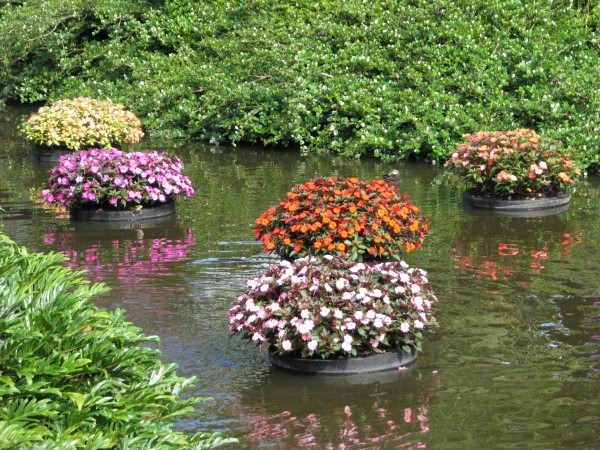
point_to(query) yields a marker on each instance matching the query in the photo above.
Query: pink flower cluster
(514, 163)
(329, 307)
(113, 179)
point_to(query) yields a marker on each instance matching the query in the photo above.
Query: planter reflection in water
(514, 248)
(392, 409)
(123, 259)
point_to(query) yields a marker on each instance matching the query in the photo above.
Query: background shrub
(73, 376)
(393, 79)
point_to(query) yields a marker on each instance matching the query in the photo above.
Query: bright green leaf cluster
(73, 376)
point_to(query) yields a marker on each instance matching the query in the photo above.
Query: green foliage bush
(389, 78)
(73, 376)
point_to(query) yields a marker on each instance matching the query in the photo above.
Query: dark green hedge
(389, 78)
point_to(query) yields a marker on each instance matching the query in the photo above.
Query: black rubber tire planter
(153, 212)
(374, 363)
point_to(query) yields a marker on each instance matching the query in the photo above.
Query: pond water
(514, 362)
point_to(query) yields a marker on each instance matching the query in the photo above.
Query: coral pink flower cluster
(329, 307)
(516, 163)
(112, 179)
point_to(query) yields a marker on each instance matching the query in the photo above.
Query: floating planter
(341, 302)
(332, 316)
(133, 214)
(514, 171)
(111, 185)
(346, 366)
(559, 200)
(358, 220)
(79, 123)
(158, 224)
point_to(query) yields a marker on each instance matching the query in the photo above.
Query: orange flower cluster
(344, 216)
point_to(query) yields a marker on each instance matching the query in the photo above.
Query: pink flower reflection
(506, 260)
(123, 259)
(337, 428)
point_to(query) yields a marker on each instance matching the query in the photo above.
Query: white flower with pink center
(341, 283)
(271, 323)
(258, 337)
(418, 302)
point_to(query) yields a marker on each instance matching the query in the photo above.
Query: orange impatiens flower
(565, 178)
(322, 215)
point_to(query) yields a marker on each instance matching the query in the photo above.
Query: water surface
(514, 363)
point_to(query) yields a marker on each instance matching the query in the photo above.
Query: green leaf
(76, 398)
(7, 380)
